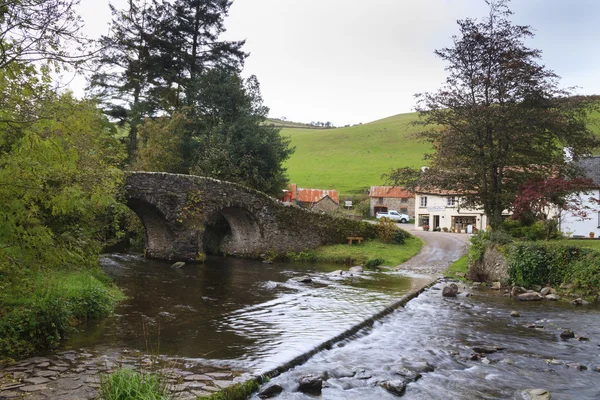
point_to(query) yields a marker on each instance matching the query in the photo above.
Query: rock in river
(535, 394)
(450, 290)
(356, 270)
(178, 265)
(567, 334)
(396, 387)
(533, 296)
(311, 384)
(270, 391)
(515, 314)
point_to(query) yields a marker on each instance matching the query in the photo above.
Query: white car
(393, 215)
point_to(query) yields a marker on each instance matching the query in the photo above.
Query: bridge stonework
(186, 215)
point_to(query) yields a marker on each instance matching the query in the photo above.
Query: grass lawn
(392, 253)
(458, 267)
(592, 244)
(352, 159)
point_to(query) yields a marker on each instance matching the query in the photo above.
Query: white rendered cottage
(572, 224)
(441, 209)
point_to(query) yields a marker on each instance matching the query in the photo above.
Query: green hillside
(352, 159)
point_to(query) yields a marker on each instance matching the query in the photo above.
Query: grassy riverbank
(459, 268)
(41, 308)
(391, 254)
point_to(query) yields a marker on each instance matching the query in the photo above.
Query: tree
(39, 31)
(538, 198)
(153, 55)
(127, 70)
(500, 119)
(56, 182)
(222, 135)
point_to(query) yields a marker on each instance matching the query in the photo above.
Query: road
(439, 251)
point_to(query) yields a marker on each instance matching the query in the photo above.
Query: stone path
(76, 375)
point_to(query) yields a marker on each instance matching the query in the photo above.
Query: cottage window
(451, 201)
(423, 201)
(404, 200)
(423, 220)
(380, 200)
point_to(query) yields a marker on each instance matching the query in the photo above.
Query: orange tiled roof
(389, 191)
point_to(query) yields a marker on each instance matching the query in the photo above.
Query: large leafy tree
(221, 135)
(153, 54)
(500, 119)
(127, 71)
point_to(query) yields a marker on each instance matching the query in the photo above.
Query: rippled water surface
(254, 315)
(443, 332)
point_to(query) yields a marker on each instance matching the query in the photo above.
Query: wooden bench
(353, 238)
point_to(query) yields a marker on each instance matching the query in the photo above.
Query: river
(252, 317)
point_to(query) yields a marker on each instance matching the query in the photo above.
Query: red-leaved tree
(538, 198)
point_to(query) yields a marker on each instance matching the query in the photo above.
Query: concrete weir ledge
(301, 359)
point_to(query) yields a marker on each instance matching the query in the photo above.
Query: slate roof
(591, 167)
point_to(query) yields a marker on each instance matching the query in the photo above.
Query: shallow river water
(253, 317)
(243, 314)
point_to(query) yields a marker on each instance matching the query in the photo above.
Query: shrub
(585, 272)
(374, 262)
(302, 256)
(386, 229)
(400, 236)
(40, 312)
(539, 264)
(126, 384)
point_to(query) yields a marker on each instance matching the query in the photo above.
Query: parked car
(393, 215)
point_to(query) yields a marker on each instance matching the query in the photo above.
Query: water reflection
(248, 312)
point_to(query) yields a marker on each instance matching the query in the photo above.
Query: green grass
(40, 309)
(592, 244)
(392, 253)
(352, 159)
(459, 268)
(126, 384)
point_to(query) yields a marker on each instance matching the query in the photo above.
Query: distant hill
(290, 124)
(353, 158)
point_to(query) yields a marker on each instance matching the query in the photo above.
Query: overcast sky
(350, 61)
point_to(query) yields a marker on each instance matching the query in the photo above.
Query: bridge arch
(230, 230)
(158, 233)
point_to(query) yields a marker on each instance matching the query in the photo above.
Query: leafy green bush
(542, 263)
(308, 256)
(585, 272)
(126, 384)
(40, 312)
(374, 262)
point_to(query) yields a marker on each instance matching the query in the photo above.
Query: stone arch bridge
(186, 215)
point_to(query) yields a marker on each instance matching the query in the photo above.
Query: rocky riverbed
(76, 375)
